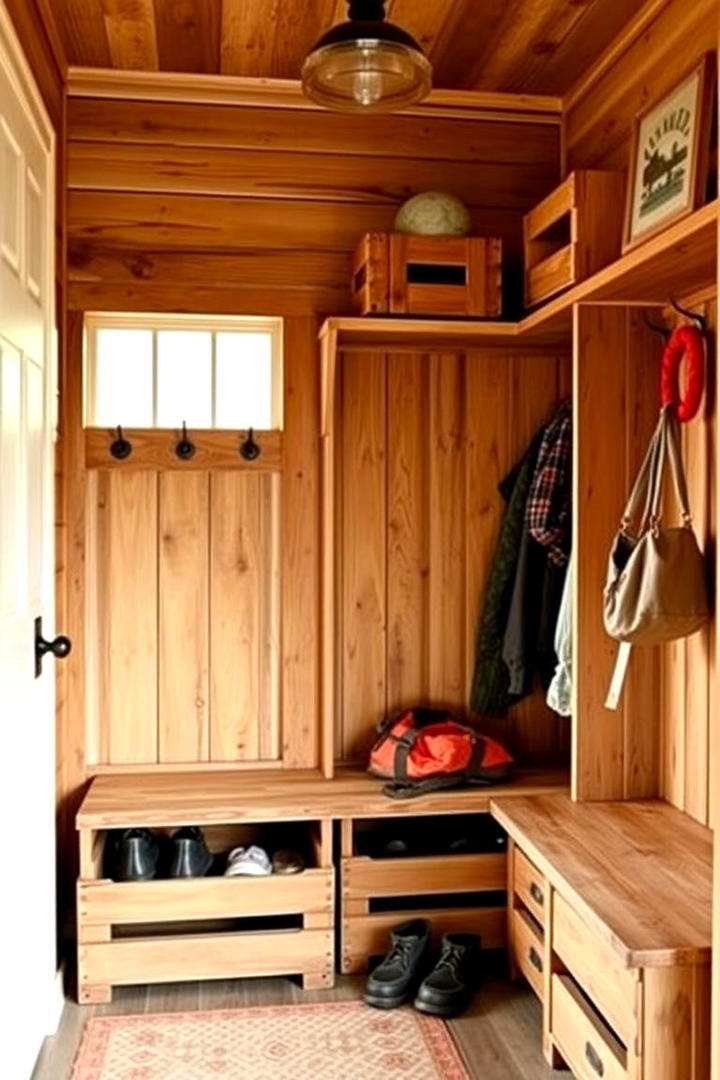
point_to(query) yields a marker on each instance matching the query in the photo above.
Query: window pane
(184, 380)
(123, 379)
(244, 390)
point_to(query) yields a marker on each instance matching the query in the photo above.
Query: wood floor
(500, 1035)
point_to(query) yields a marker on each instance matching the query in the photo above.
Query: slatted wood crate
(573, 233)
(185, 929)
(367, 883)
(398, 274)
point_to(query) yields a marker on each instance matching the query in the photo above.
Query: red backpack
(422, 750)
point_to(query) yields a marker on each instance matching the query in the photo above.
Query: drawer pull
(535, 958)
(594, 1059)
(537, 893)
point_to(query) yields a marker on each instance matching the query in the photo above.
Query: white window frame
(213, 324)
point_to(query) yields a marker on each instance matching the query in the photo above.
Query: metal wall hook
(699, 320)
(185, 448)
(249, 449)
(661, 330)
(120, 447)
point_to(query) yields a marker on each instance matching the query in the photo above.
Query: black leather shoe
(448, 988)
(136, 855)
(190, 854)
(393, 981)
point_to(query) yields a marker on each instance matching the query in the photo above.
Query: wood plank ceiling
(540, 46)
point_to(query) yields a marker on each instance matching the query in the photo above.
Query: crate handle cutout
(436, 274)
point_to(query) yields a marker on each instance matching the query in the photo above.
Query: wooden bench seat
(197, 798)
(621, 895)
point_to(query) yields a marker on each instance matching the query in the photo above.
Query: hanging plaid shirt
(547, 512)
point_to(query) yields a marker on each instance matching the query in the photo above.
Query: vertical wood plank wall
(657, 48)
(616, 752)
(425, 440)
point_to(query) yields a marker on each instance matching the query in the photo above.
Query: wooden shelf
(640, 873)
(202, 798)
(681, 260)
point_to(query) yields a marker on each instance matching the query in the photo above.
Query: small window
(157, 371)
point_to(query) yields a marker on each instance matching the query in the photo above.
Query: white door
(28, 987)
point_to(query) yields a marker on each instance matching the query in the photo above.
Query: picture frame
(669, 158)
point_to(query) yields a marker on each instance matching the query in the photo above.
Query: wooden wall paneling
(330, 549)
(601, 108)
(364, 567)
(642, 696)
(332, 176)
(300, 540)
(243, 614)
(599, 420)
(409, 505)
(615, 752)
(127, 618)
(689, 667)
(446, 530)
(521, 139)
(488, 450)
(183, 623)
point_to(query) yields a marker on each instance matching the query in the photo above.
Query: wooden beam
(287, 94)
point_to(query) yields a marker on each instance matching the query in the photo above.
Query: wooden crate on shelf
(213, 927)
(573, 233)
(396, 882)
(399, 274)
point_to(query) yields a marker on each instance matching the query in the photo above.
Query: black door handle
(60, 647)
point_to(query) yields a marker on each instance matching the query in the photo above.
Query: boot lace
(451, 960)
(401, 950)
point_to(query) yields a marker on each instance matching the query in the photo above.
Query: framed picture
(669, 156)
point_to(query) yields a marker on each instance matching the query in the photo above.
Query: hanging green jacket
(490, 688)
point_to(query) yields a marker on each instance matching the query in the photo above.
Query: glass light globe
(366, 66)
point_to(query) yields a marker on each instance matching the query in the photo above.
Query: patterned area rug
(335, 1041)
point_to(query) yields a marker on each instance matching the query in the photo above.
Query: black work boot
(393, 981)
(136, 855)
(190, 854)
(448, 988)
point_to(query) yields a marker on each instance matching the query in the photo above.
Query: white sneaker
(253, 861)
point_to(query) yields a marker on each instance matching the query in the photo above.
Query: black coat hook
(249, 449)
(120, 448)
(698, 319)
(661, 330)
(185, 448)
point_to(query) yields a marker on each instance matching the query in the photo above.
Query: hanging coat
(489, 694)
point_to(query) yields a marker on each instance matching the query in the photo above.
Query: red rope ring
(688, 343)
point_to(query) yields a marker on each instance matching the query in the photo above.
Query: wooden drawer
(365, 877)
(593, 964)
(530, 886)
(528, 947)
(113, 902)
(590, 1049)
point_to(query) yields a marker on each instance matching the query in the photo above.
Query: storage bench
(609, 920)
(213, 927)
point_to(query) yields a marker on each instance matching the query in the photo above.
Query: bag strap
(676, 466)
(645, 483)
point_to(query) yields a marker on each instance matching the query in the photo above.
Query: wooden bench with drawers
(609, 919)
(215, 927)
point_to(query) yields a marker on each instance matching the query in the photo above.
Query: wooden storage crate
(175, 930)
(365, 933)
(573, 233)
(398, 274)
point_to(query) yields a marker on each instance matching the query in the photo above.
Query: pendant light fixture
(366, 64)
